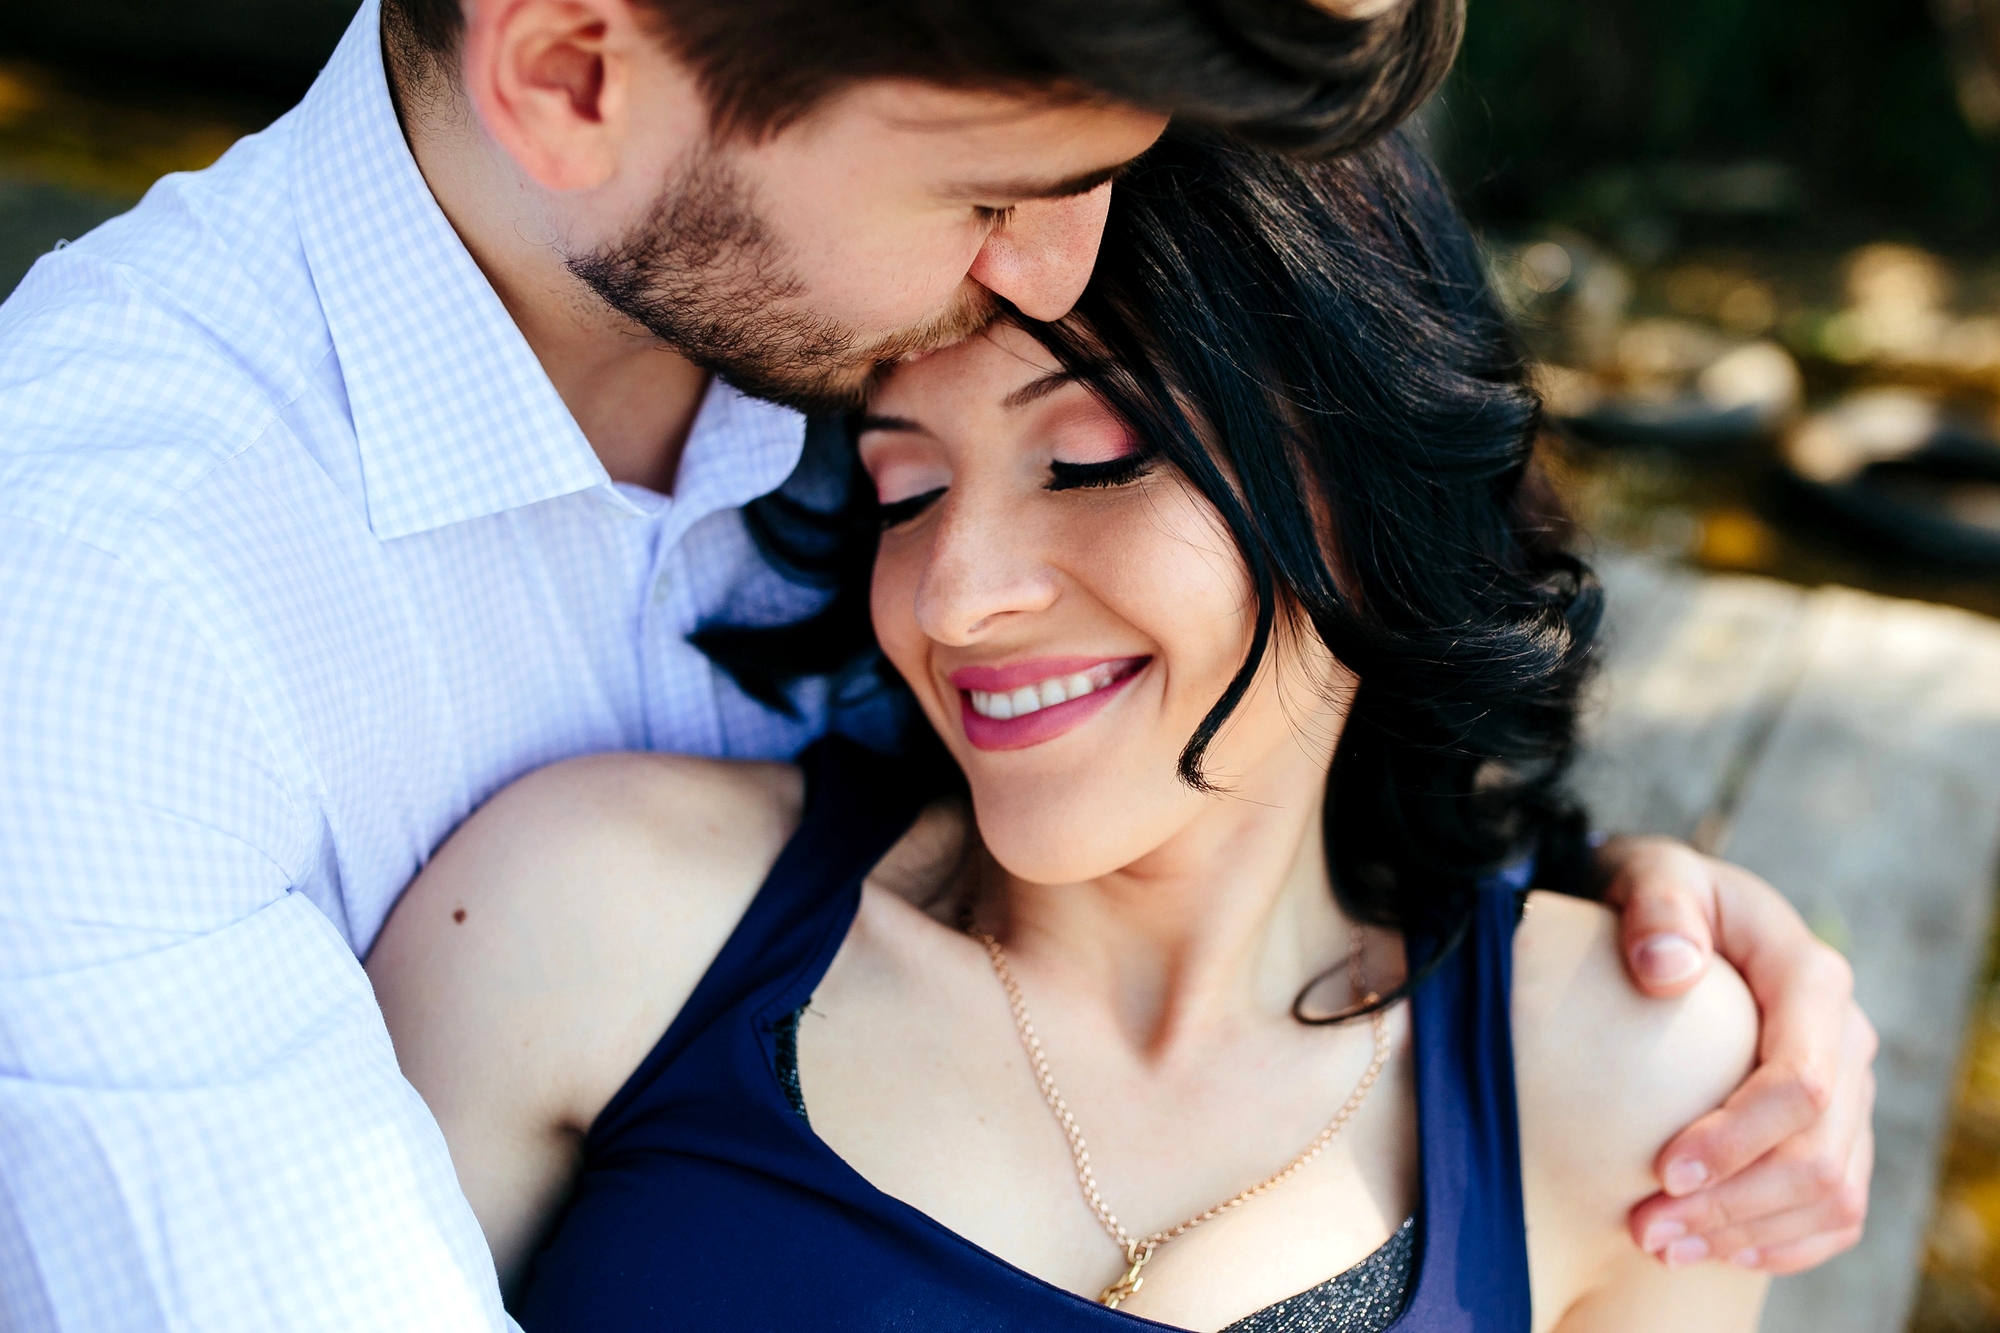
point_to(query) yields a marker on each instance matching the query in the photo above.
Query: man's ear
(551, 81)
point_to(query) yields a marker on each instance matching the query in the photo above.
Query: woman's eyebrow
(1038, 389)
(867, 423)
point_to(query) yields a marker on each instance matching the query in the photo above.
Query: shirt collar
(454, 416)
(740, 448)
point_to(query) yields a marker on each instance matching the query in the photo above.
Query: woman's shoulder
(1607, 1074)
(1605, 1077)
(700, 823)
(572, 915)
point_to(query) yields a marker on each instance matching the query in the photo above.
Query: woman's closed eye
(895, 513)
(1119, 471)
(1062, 477)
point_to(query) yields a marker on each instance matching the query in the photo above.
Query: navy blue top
(707, 1203)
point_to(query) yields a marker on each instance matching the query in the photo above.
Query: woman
(1241, 619)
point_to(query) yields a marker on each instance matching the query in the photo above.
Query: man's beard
(705, 276)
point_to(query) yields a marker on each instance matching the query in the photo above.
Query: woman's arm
(1607, 1076)
(549, 943)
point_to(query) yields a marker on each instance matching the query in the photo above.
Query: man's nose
(1041, 257)
(980, 573)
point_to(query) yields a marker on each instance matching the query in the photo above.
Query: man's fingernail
(1746, 1258)
(1684, 1252)
(1661, 1234)
(1665, 960)
(1685, 1176)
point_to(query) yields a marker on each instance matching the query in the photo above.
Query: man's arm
(1777, 1178)
(202, 1125)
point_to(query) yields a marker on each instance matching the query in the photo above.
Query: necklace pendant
(1125, 1288)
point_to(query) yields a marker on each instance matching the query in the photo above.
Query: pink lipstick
(1021, 704)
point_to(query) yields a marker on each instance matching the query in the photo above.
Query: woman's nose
(983, 570)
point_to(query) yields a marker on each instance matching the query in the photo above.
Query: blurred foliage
(271, 48)
(1648, 123)
(1836, 117)
(64, 130)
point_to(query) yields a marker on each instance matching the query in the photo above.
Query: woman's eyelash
(1062, 477)
(898, 512)
(1116, 472)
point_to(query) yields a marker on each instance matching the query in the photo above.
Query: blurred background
(1755, 247)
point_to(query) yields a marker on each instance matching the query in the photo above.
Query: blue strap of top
(705, 1203)
(1469, 1141)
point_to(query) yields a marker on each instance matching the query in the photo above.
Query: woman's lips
(1028, 703)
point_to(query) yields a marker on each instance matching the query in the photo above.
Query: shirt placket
(682, 711)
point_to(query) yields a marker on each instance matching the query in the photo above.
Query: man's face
(883, 224)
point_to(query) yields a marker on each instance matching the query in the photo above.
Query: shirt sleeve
(202, 1124)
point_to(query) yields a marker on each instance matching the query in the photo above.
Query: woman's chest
(919, 1080)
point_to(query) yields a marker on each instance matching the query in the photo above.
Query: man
(399, 453)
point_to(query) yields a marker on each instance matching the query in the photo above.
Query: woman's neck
(1218, 927)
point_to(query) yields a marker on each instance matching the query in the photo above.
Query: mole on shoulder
(459, 915)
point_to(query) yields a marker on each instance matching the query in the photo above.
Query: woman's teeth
(1043, 694)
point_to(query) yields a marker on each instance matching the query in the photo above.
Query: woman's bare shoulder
(1606, 1076)
(570, 917)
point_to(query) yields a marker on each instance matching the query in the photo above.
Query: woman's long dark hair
(1315, 349)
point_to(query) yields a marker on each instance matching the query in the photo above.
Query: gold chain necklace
(1137, 1252)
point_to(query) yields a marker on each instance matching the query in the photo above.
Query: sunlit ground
(72, 154)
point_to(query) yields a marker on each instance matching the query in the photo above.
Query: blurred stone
(1900, 338)
(1748, 307)
(1835, 445)
(1760, 374)
(1882, 333)
(1896, 305)
(1599, 300)
(1896, 276)
(1899, 322)
(1653, 351)
(1548, 266)
(1971, 346)
(1681, 385)
(1896, 469)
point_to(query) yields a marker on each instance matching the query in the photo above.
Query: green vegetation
(1747, 117)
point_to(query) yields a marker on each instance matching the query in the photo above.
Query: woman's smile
(1028, 703)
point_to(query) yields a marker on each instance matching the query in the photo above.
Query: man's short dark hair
(1281, 74)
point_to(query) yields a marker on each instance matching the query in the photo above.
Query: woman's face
(1067, 616)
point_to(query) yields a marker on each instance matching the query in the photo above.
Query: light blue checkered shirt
(301, 558)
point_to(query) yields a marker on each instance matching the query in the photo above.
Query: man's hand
(1777, 1177)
